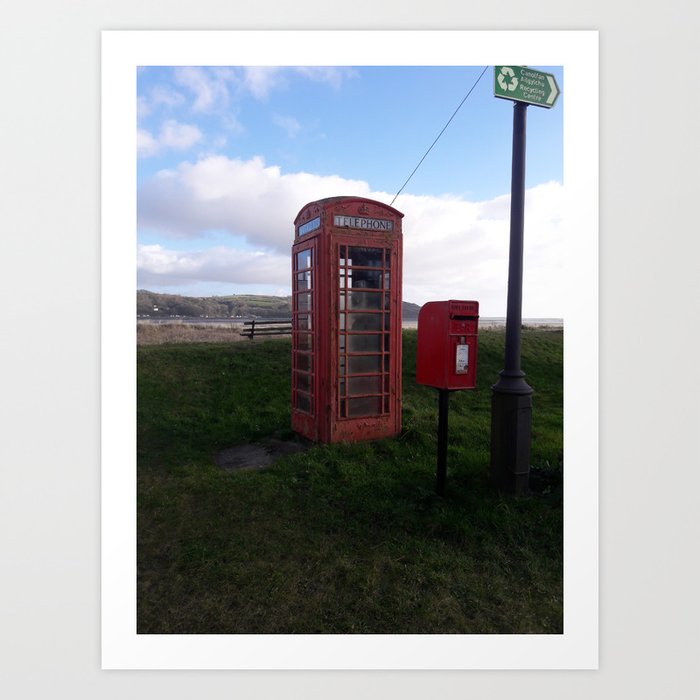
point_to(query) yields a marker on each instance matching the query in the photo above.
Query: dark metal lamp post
(511, 401)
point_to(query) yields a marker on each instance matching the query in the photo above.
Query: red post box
(346, 320)
(447, 344)
(446, 360)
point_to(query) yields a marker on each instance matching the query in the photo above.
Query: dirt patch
(258, 455)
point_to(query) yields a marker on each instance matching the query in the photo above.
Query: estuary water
(484, 321)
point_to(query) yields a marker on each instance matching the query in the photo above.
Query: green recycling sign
(523, 84)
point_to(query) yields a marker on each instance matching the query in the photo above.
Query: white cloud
(289, 124)
(456, 249)
(143, 108)
(179, 136)
(245, 198)
(173, 135)
(146, 145)
(158, 266)
(162, 95)
(453, 248)
(261, 80)
(210, 87)
(158, 97)
(332, 75)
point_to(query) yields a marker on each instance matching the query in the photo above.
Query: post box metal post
(346, 320)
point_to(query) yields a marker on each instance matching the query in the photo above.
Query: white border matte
(122, 648)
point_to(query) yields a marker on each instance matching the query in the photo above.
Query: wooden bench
(259, 327)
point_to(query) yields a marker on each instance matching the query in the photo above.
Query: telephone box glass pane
(364, 343)
(367, 406)
(365, 279)
(304, 302)
(364, 322)
(304, 382)
(303, 362)
(304, 322)
(304, 403)
(304, 342)
(303, 281)
(365, 257)
(363, 300)
(304, 259)
(364, 385)
(364, 364)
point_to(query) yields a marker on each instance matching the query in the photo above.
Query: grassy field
(179, 332)
(342, 538)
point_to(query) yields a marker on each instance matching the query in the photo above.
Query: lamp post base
(511, 428)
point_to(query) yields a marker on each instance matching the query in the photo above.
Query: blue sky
(228, 156)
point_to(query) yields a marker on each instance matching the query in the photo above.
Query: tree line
(155, 305)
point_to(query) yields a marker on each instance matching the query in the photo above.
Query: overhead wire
(440, 134)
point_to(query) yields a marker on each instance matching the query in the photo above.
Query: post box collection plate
(462, 359)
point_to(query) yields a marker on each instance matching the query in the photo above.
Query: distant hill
(154, 305)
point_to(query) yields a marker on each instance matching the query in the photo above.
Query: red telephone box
(346, 320)
(447, 344)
